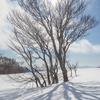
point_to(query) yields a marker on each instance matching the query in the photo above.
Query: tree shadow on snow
(63, 91)
(68, 90)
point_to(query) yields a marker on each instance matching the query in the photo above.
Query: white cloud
(19, 56)
(34, 55)
(3, 38)
(5, 8)
(3, 11)
(84, 46)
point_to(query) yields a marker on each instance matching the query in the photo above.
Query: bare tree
(72, 67)
(48, 30)
(75, 68)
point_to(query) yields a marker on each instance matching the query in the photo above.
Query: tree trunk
(64, 72)
(47, 69)
(71, 72)
(65, 76)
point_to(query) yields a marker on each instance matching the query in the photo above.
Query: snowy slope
(86, 86)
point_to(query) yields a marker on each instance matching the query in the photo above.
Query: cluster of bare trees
(72, 67)
(44, 32)
(9, 66)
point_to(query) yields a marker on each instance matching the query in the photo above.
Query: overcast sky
(86, 50)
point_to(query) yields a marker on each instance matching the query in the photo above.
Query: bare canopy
(45, 31)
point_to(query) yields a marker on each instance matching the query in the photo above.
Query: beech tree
(44, 32)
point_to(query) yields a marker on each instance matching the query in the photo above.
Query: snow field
(86, 86)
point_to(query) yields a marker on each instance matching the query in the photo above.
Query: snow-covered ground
(86, 86)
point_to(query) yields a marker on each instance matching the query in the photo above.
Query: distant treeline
(10, 66)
